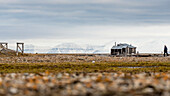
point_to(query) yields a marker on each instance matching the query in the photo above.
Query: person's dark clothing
(165, 51)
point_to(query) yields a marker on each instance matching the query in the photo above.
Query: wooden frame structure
(20, 46)
(3, 45)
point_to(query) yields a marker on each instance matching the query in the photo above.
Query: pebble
(13, 90)
(59, 75)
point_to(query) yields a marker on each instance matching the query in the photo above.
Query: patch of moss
(85, 67)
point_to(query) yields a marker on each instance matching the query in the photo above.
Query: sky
(43, 22)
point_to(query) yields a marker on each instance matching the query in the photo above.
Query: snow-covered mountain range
(143, 46)
(68, 48)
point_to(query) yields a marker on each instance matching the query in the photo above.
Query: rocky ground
(84, 75)
(54, 58)
(85, 84)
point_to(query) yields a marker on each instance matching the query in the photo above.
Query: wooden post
(126, 51)
(6, 45)
(17, 50)
(23, 48)
(135, 50)
(20, 48)
(137, 53)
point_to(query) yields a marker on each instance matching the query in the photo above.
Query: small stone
(13, 90)
(78, 86)
(2, 91)
(101, 86)
(13, 75)
(45, 78)
(26, 74)
(148, 90)
(51, 85)
(59, 75)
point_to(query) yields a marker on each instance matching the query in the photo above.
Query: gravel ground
(74, 58)
(85, 84)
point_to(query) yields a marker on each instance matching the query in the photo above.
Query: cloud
(59, 1)
(88, 11)
(84, 19)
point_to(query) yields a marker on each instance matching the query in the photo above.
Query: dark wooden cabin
(123, 49)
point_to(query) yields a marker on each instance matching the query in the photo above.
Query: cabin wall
(116, 51)
(124, 51)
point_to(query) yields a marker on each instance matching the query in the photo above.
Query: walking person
(165, 51)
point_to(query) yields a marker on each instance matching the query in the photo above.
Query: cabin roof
(121, 46)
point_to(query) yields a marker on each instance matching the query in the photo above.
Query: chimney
(115, 43)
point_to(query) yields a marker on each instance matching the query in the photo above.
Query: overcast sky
(84, 19)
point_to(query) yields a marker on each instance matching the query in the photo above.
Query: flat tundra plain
(50, 58)
(84, 75)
